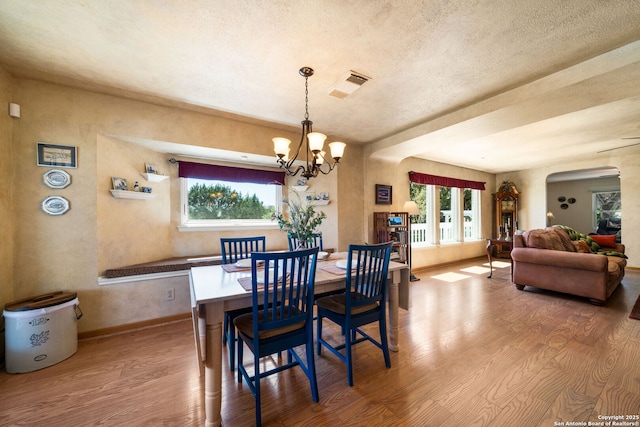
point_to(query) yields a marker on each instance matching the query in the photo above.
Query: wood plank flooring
(473, 352)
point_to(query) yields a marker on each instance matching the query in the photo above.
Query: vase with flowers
(302, 221)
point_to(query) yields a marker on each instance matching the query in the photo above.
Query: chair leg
(225, 329)
(348, 339)
(319, 335)
(240, 359)
(311, 368)
(383, 341)
(232, 346)
(256, 385)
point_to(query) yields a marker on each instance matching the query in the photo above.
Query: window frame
(432, 216)
(187, 224)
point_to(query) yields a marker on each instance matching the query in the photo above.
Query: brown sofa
(549, 259)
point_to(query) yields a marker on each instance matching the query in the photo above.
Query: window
(606, 204)
(457, 218)
(471, 214)
(448, 214)
(228, 197)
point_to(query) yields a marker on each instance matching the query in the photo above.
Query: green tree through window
(218, 201)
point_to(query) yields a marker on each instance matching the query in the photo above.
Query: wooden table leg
(490, 247)
(394, 298)
(213, 364)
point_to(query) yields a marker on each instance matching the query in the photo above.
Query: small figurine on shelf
(136, 186)
(499, 232)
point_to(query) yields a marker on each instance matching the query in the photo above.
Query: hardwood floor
(473, 351)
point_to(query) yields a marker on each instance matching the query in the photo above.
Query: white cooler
(40, 331)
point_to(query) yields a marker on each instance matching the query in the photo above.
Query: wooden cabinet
(506, 210)
(394, 226)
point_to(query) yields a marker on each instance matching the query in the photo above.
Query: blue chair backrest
(367, 282)
(286, 280)
(237, 248)
(293, 241)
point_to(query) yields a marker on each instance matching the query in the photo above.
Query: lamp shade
(316, 141)
(411, 207)
(337, 149)
(281, 146)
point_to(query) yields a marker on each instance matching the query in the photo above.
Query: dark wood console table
(493, 243)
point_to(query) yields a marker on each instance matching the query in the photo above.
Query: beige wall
(396, 175)
(42, 253)
(6, 190)
(70, 251)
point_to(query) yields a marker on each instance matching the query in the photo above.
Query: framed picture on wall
(383, 194)
(57, 155)
(119, 184)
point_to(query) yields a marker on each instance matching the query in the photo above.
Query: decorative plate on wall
(56, 178)
(571, 200)
(564, 206)
(55, 205)
(561, 199)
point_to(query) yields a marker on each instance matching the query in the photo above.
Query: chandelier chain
(306, 98)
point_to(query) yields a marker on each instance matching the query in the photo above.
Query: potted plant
(302, 221)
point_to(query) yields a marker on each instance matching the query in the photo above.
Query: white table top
(213, 283)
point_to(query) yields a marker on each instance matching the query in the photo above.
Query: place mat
(245, 282)
(232, 268)
(331, 268)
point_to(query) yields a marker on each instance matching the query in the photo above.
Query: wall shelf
(154, 177)
(320, 202)
(300, 188)
(138, 195)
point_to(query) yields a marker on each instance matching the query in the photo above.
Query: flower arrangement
(303, 220)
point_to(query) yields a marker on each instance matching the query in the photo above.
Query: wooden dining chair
(294, 242)
(233, 250)
(362, 303)
(281, 317)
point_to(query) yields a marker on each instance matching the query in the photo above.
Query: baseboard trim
(129, 327)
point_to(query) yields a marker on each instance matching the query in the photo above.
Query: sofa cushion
(605, 241)
(549, 238)
(564, 238)
(581, 246)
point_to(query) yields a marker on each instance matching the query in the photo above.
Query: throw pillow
(564, 237)
(544, 239)
(608, 241)
(581, 246)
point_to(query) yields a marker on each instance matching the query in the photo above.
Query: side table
(492, 243)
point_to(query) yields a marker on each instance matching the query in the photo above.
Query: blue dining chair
(294, 242)
(281, 317)
(362, 303)
(233, 250)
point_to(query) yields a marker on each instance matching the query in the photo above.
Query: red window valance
(423, 178)
(229, 173)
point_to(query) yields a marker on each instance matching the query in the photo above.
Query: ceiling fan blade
(632, 137)
(624, 146)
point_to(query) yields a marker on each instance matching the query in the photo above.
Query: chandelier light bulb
(337, 150)
(316, 141)
(281, 146)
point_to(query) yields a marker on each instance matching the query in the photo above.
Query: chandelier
(311, 144)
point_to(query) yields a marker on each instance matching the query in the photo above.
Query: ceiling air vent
(348, 84)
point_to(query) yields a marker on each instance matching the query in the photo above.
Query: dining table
(219, 288)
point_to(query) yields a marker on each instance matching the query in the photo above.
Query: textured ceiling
(486, 84)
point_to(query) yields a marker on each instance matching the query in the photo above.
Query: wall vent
(348, 84)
